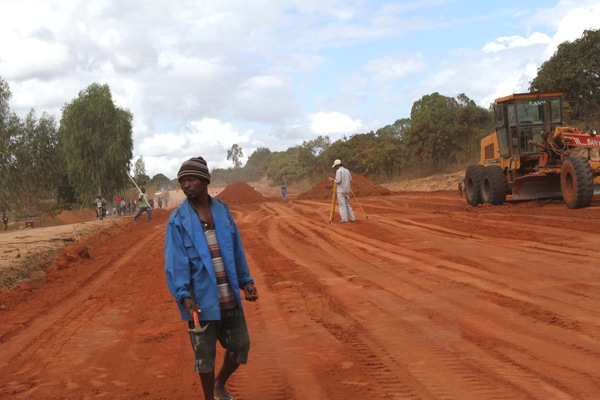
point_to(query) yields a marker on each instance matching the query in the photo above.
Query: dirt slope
(427, 298)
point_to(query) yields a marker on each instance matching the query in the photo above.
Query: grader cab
(531, 155)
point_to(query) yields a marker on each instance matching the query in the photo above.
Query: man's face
(192, 186)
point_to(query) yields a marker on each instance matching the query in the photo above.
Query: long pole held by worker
(357, 202)
(332, 203)
(138, 188)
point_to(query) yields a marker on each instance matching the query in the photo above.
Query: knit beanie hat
(195, 166)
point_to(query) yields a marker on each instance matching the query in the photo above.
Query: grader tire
(493, 185)
(577, 182)
(473, 184)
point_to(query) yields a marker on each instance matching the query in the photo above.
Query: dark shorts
(232, 333)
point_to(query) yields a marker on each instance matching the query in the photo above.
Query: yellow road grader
(532, 155)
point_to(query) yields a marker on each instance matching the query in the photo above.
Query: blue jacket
(188, 265)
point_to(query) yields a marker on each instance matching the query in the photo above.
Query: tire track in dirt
(538, 311)
(385, 380)
(432, 349)
(87, 331)
(334, 325)
(73, 328)
(354, 248)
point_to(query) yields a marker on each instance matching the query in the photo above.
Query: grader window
(555, 111)
(511, 115)
(499, 116)
(489, 151)
(525, 135)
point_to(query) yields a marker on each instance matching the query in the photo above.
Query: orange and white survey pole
(332, 203)
(138, 188)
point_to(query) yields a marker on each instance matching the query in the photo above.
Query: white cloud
(508, 42)
(334, 124)
(25, 58)
(297, 62)
(573, 22)
(395, 67)
(209, 138)
(265, 98)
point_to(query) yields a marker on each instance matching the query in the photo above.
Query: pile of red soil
(65, 218)
(361, 186)
(240, 192)
(73, 217)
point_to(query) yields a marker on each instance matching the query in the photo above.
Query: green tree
(139, 171)
(39, 157)
(10, 193)
(317, 146)
(5, 147)
(396, 129)
(32, 163)
(257, 164)
(366, 153)
(5, 96)
(443, 132)
(235, 154)
(575, 70)
(286, 166)
(96, 136)
(159, 178)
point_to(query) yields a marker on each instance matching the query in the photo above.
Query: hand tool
(197, 327)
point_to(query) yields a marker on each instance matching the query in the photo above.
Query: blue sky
(200, 76)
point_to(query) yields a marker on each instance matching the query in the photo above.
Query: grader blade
(597, 184)
(537, 187)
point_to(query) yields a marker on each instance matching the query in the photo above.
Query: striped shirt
(226, 295)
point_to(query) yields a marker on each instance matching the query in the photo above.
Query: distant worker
(343, 179)
(144, 205)
(5, 221)
(100, 206)
(284, 191)
(461, 186)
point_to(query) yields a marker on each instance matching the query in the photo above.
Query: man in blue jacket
(206, 268)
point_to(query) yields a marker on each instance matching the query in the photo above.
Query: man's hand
(330, 179)
(250, 292)
(190, 305)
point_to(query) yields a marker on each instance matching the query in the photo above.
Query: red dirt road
(426, 299)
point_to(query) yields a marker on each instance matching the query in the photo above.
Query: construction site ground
(423, 297)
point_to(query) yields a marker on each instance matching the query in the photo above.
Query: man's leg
(235, 339)
(342, 204)
(204, 345)
(349, 209)
(227, 369)
(208, 384)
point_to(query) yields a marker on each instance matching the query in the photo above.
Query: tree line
(442, 133)
(45, 165)
(89, 151)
